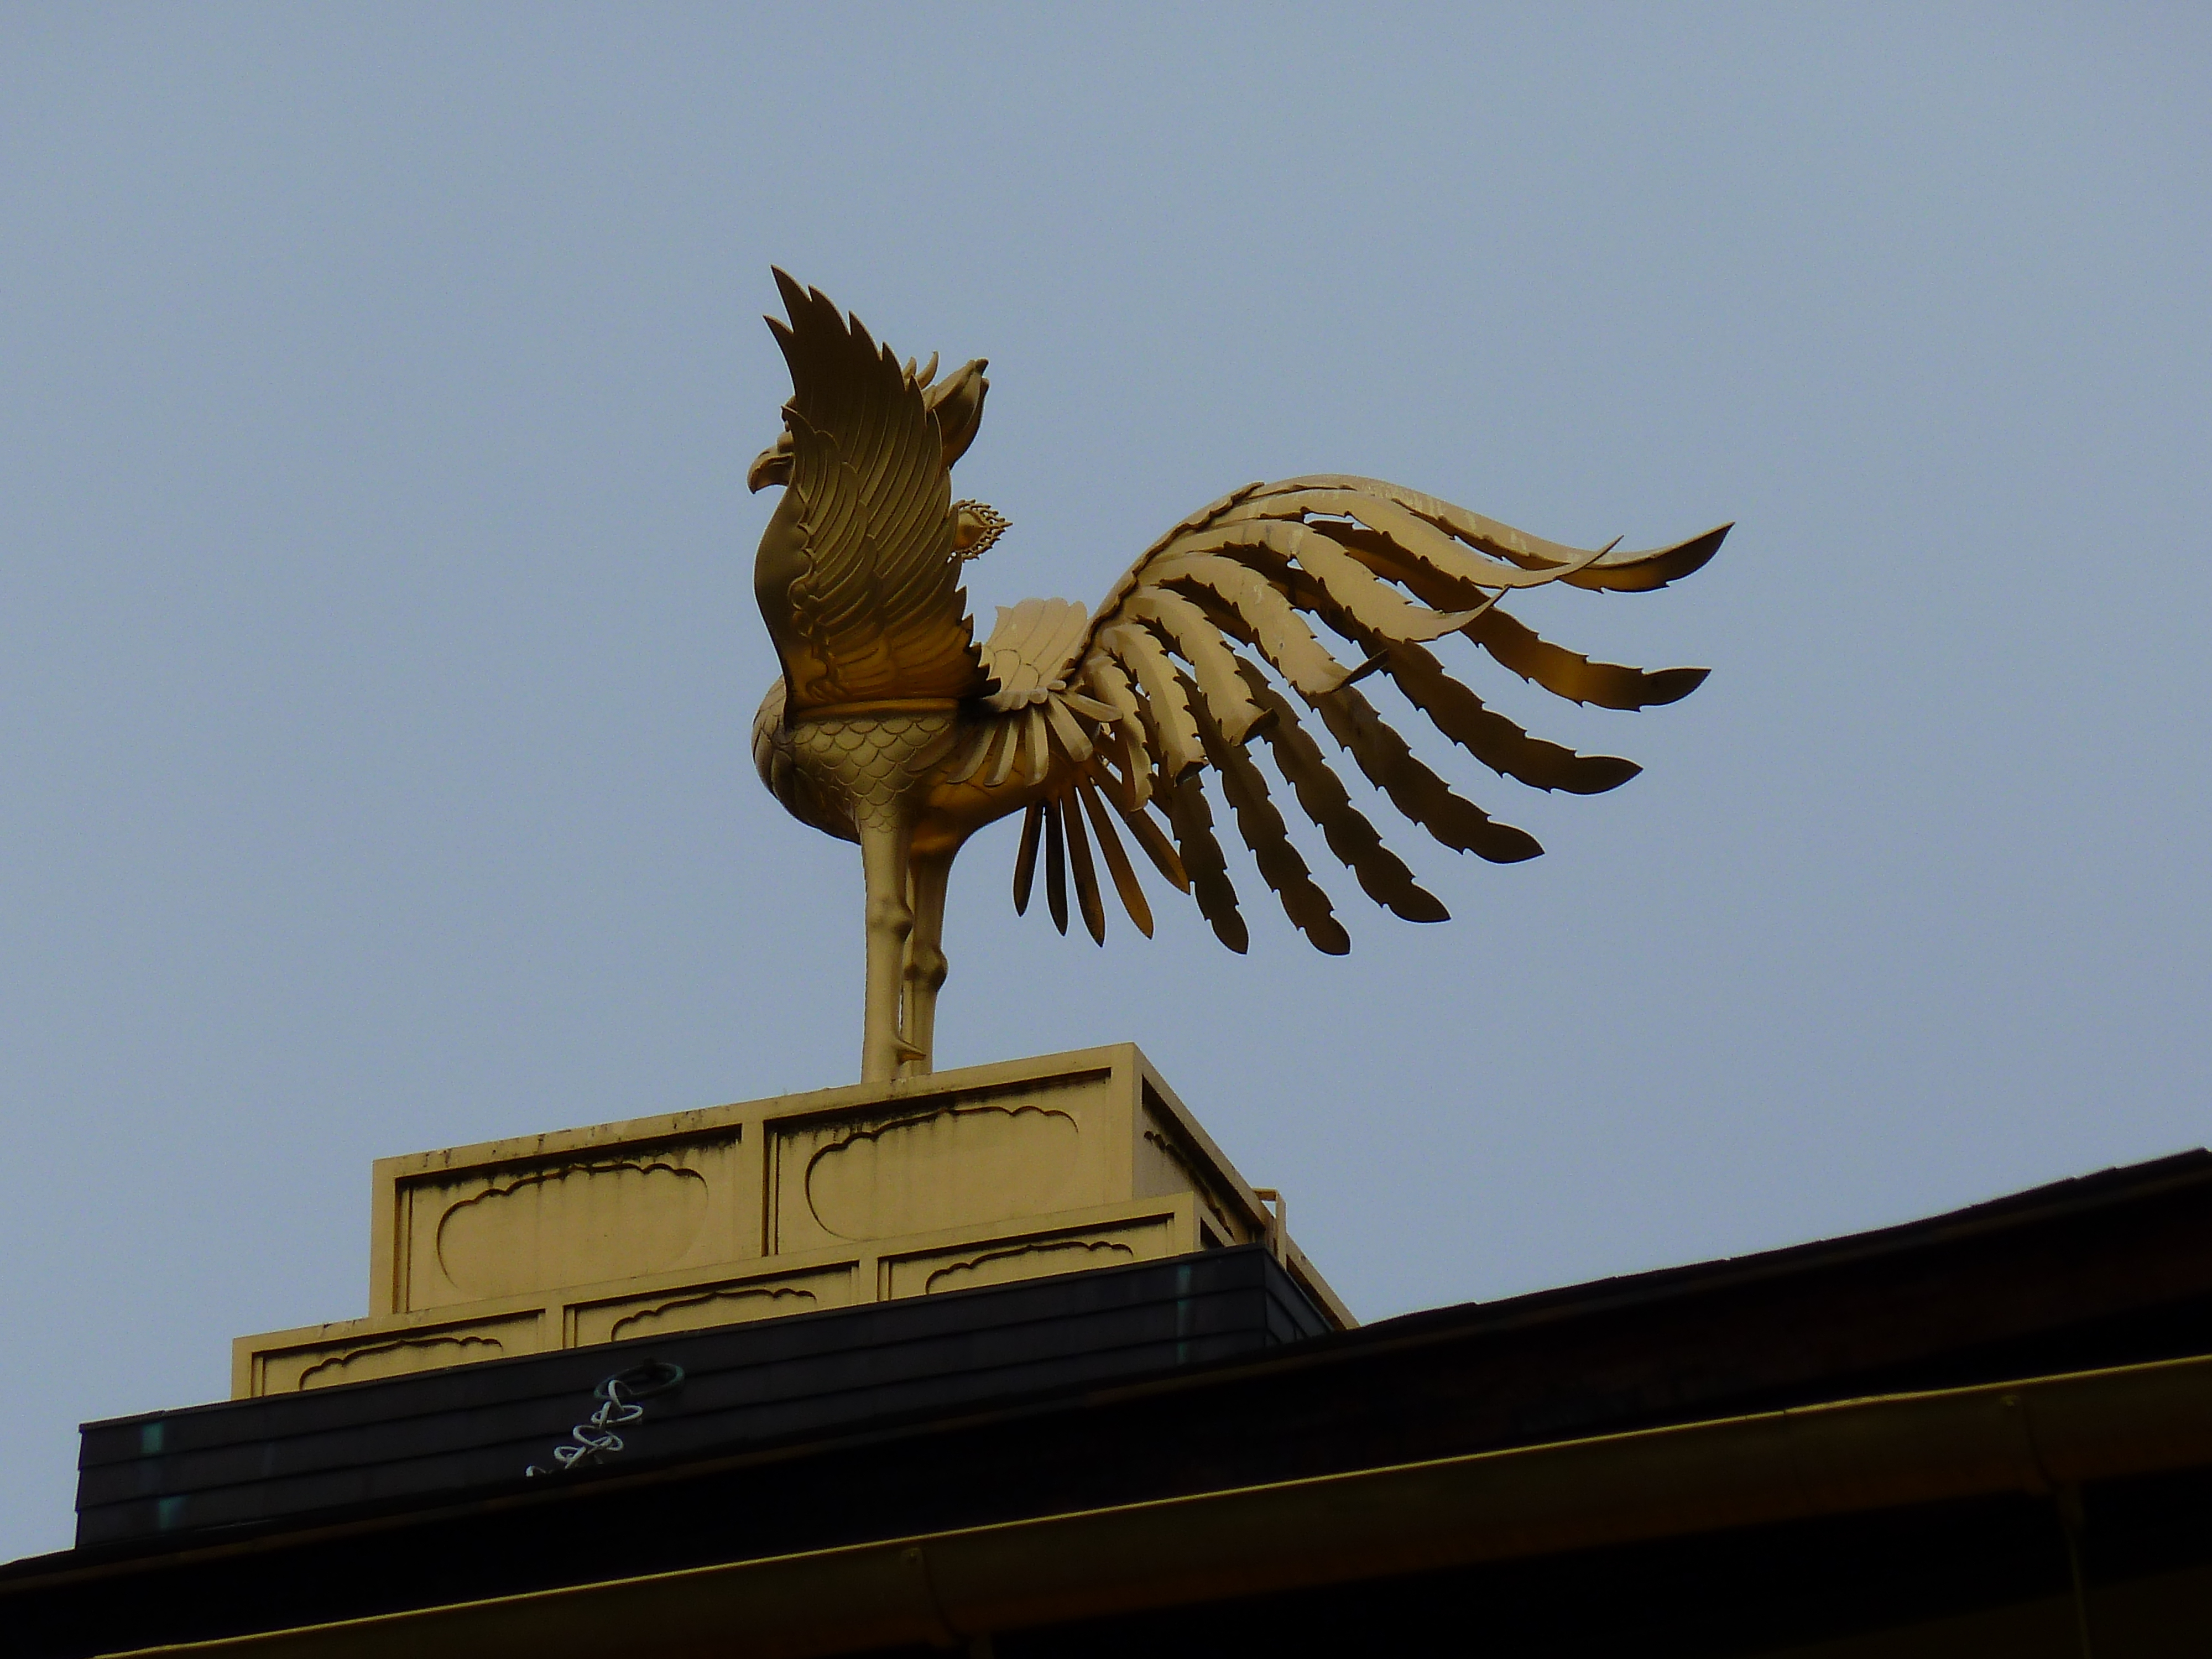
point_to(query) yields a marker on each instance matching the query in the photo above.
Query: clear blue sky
(376, 389)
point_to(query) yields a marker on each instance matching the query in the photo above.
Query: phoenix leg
(890, 922)
(924, 959)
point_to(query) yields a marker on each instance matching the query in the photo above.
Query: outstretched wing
(1179, 673)
(860, 581)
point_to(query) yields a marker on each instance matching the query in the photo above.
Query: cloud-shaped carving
(700, 1313)
(402, 1359)
(947, 1168)
(1028, 1261)
(554, 1228)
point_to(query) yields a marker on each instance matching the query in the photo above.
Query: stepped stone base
(868, 1193)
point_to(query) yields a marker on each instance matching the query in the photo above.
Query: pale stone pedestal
(737, 1212)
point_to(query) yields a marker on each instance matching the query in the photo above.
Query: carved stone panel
(698, 1307)
(730, 1214)
(397, 1354)
(1002, 1260)
(931, 1166)
(476, 1234)
(571, 1226)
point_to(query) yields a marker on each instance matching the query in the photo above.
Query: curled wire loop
(618, 1396)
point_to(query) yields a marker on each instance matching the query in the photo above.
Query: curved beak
(771, 466)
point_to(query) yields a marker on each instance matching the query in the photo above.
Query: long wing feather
(1566, 674)
(1199, 642)
(1563, 672)
(1163, 703)
(1264, 832)
(1413, 789)
(1055, 868)
(1104, 675)
(1274, 628)
(1349, 584)
(1491, 738)
(1412, 535)
(1627, 571)
(1158, 848)
(1322, 797)
(1086, 874)
(1171, 679)
(1026, 860)
(1201, 856)
(1064, 726)
(1460, 715)
(875, 608)
(1037, 743)
(1117, 860)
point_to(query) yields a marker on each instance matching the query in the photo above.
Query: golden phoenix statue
(890, 726)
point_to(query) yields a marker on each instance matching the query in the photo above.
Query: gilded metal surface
(892, 728)
(865, 1193)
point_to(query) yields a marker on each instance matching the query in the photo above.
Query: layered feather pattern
(871, 608)
(1187, 664)
(1235, 638)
